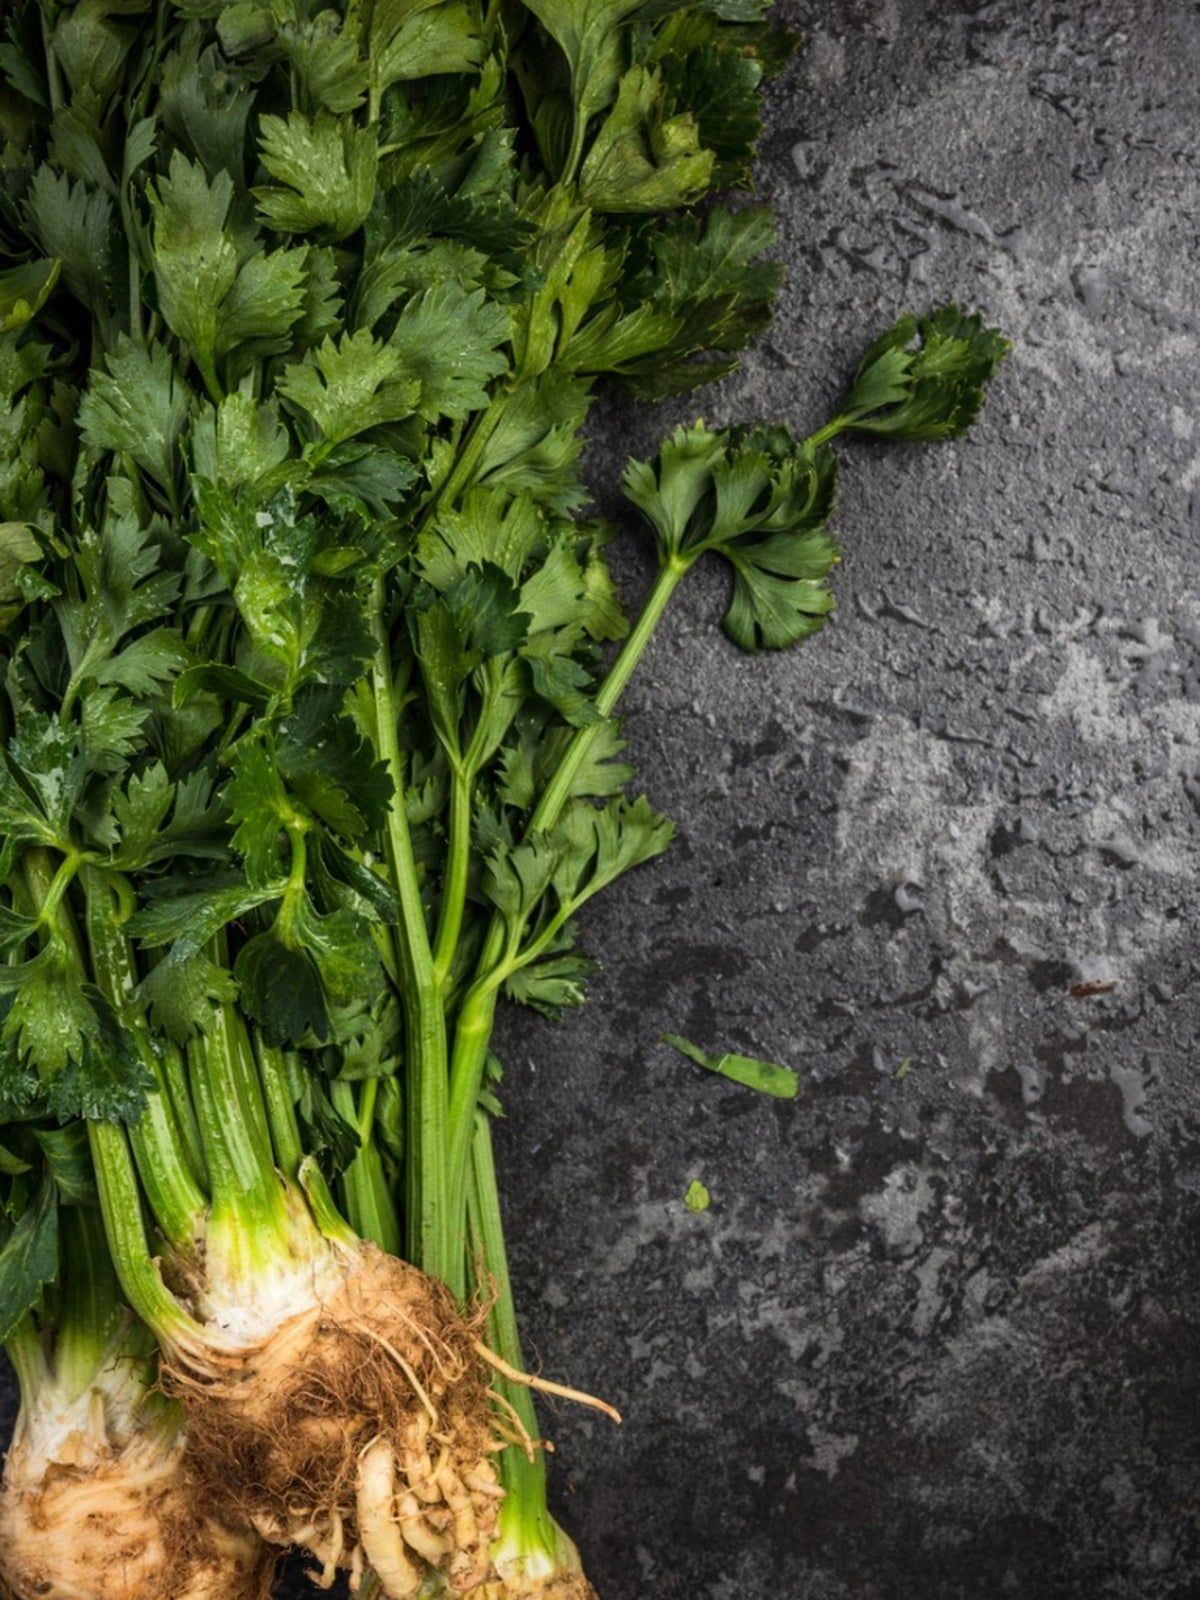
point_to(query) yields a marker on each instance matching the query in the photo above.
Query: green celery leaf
(551, 985)
(596, 844)
(140, 810)
(761, 501)
(281, 989)
(449, 338)
(354, 385)
(29, 1259)
(515, 878)
(24, 290)
(504, 531)
(488, 611)
(557, 678)
(325, 761)
(260, 806)
(326, 61)
(182, 994)
(932, 391)
(326, 1134)
(52, 769)
(710, 290)
(765, 1076)
(588, 33)
(136, 406)
(205, 104)
(239, 442)
(325, 167)
(188, 921)
(70, 1162)
(74, 225)
(644, 159)
(537, 443)
(413, 39)
(21, 555)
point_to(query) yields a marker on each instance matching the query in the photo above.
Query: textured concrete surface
(936, 1334)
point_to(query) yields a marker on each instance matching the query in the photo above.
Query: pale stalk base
(93, 1511)
(351, 1418)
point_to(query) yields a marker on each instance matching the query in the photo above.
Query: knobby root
(103, 1523)
(360, 1429)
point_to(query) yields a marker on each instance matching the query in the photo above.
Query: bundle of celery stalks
(311, 662)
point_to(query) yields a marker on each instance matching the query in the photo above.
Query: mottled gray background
(936, 1335)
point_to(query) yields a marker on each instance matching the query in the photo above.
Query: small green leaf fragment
(697, 1197)
(903, 1070)
(765, 1076)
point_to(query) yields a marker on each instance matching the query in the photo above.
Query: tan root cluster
(98, 1523)
(361, 1428)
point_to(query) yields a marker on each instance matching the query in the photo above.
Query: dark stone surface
(936, 1334)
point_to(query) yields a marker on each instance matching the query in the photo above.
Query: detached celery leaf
(674, 491)
(325, 1132)
(765, 1076)
(779, 594)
